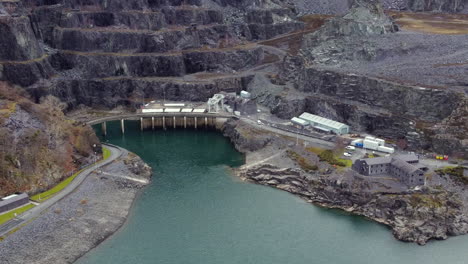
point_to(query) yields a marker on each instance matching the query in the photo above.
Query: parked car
(346, 154)
(351, 148)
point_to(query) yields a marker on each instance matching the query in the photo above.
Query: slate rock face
(18, 42)
(452, 6)
(90, 41)
(342, 37)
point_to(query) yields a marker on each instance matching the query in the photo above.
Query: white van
(352, 148)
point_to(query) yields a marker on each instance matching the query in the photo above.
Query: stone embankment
(82, 220)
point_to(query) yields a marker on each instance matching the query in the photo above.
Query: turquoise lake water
(196, 211)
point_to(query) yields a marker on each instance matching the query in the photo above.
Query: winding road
(31, 214)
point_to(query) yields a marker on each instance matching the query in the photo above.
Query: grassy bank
(330, 157)
(50, 193)
(454, 171)
(105, 153)
(10, 215)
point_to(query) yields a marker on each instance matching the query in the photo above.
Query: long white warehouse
(325, 124)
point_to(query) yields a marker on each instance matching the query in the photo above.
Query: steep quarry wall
(18, 39)
(339, 7)
(125, 91)
(22, 58)
(404, 100)
(90, 44)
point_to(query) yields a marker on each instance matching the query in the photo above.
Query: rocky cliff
(414, 216)
(38, 145)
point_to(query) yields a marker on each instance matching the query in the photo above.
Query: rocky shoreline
(418, 216)
(81, 221)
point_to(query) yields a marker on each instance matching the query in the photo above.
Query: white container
(380, 141)
(370, 138)
(245, 94)
(385, 149)
(370, 144)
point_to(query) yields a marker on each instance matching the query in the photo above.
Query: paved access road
(314, 141)
(29, 215)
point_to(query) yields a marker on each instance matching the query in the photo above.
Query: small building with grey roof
(403, 167)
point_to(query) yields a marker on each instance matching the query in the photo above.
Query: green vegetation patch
(40, 197)
(301, 161)
(456, 172)
(329, 156)
(425, 200)
(105, 153)
(315, 150)
(10, 215)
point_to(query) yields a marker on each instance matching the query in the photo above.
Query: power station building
(325, 124)
(403, 167)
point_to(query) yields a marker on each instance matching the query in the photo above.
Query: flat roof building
(171, 110)
(325, 124)
(154, 110)
(174, 105)
(13, 201)
(403, 167)
(300, 122)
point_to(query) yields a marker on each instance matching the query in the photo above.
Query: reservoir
(196, 212)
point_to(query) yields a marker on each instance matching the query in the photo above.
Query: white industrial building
(299, 122)
(372, 143)
(325, 124)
